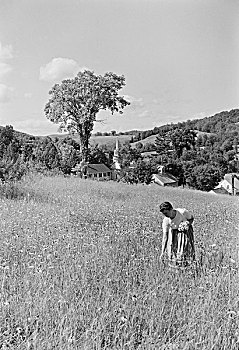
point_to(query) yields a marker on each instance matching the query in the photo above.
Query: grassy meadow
(80, 269)
(100, 140)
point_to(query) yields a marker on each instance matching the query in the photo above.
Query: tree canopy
(74, 103)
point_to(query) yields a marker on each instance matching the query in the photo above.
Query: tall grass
(80, 269)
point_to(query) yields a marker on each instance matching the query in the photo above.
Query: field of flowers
(80, 269)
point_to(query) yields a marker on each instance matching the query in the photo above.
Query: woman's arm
(189, 216)
(191, 220)
(164, 239)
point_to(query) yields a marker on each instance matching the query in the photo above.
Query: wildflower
(213, 245)
(232, 313)
(183, 226)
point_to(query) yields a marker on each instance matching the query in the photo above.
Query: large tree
(182, 139)
(74, 103)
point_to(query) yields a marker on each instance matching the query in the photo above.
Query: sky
(180, 58)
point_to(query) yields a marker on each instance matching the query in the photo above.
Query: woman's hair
(165, 206)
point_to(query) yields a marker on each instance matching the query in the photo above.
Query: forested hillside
(221, 122)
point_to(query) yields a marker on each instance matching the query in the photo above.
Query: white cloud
(133, 99)
(144, 114)
(28, 95)
(4, 69)
(36, 125)
(200, 115)
(156, 101)
(59, 68)
(5, 52)
(135, 102)
(5, 93)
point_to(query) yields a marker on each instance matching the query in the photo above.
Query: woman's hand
(190, 221)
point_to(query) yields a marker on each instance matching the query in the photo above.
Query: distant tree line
(199, 159)
(21, 153)
(198, 152)
(220, 122)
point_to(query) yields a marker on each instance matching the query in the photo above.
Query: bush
(12, 171)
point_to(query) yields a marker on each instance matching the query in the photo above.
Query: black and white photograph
(119, 174)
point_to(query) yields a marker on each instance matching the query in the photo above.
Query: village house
(99, 171)
(236, 157)
(220, 190)
(163, 178)
(147, 156)
(229, 185)
(93, 171)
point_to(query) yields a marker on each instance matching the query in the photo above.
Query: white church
(100, 171)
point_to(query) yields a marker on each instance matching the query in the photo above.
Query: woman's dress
(180, 242)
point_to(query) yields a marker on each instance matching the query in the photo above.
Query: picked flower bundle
(183, 226)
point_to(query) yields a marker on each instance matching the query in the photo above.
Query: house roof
(166, 178)
(93, 168)
(228, 178)
(220, 190)
(97, 168)
(149, 153)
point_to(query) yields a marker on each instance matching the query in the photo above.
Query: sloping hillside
(100, 140)
(223, 121)
(220, 122)
(149, 139)
(80, 255)
(109, 140)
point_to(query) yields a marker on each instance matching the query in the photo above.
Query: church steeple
(117, 145)
(116, 163)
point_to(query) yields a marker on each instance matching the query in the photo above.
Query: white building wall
(225, 184)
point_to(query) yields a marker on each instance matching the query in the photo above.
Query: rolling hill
(220, 122)
(100, 140)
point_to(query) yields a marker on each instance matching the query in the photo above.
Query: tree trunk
(84, 148)
(84, 145)
(84, 132)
